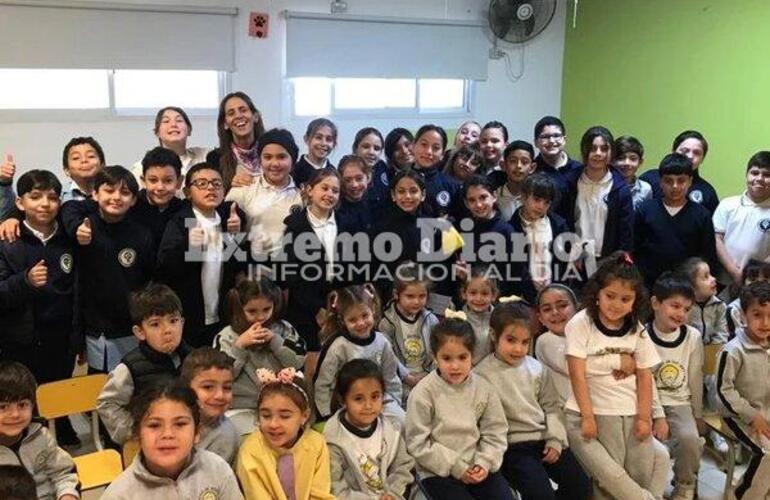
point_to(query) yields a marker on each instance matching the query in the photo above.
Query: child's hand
(588, 428)
(84, 233)
(241, 179)
(37, 276)
(478, 474)
(642, 428)
(7, 170)
(387, 496)
(233, 222)
(80, 358)
(627, 364)
(550, 455)
(264, 335)
(248, 338)
(68, 497)
(760, 426)
(660, 429)
(411, 379)
(197, 237)
(9, 230)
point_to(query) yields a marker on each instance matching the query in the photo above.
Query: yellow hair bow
(449, 313)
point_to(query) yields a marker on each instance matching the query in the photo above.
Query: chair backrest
(130, 450)
(98, 469)
(710, 352)
(70, 396)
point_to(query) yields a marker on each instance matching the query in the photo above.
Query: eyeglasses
(205, 183)
(549, 137)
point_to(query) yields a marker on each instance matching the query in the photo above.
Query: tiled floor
(711, 478)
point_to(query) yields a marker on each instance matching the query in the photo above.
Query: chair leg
(730, 469)
(95, 431)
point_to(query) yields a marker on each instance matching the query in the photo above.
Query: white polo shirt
(265, 206)
(591, 209)
(746, 229)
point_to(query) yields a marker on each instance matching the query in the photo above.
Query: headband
(451, 314)
(285, 376)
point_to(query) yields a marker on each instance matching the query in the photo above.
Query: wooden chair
(69, 397)
(98, 469)
(715, 423)
(78, 395)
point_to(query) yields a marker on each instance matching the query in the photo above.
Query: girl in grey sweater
(537, 440)
(455, 424)
(368, 454)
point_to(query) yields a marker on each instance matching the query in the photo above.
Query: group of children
(444, 383)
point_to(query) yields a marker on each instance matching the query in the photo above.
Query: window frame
(395, 113)
(111, 113)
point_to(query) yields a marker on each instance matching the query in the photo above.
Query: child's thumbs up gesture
(37, 276)
(197, 236)
(83, 234)
(233, 222)
(7, 169)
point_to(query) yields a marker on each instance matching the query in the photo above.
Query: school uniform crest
(412, 350)
(209, 494)
(764, 225)
(670, 376)
(127, 257)
(696, 195)
(65, 263)
(442, 198)
(41, 459)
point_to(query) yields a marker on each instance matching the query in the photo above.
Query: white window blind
(340, 46)
(76, 34)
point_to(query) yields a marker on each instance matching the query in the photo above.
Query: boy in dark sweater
(157, 202)
(37, 283)
(670, 229)
(156, 313)
(116, 256)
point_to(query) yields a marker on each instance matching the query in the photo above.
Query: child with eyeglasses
(199, 256)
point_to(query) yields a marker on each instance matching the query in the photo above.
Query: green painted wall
(653, 68)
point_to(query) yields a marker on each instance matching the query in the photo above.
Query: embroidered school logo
(669, 376)
(41, 460)
(384, 178)
(443, 198)
(209, 494)
(127, 257)
(412, 350)
(65, 263)
(764, 225)
(696, 195)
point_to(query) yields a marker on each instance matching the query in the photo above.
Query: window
(339, 96)
(116, 92)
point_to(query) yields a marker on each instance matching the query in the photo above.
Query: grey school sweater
(480, 324)
(348, 468)
(410, 340)
(710, 319)
(743, 371)
(344, 348)
(220, 437)
(286, 349)
(206, 476)
(51, 467)
(529, 399)
(451, 428)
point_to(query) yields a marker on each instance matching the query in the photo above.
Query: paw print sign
(258, 24)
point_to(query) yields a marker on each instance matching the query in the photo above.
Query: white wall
(38, 144)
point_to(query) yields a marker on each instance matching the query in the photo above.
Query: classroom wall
(653, 68)
(38, 143)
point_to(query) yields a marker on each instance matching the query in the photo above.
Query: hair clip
(510, 298)
(452, 314)
(625, 258)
